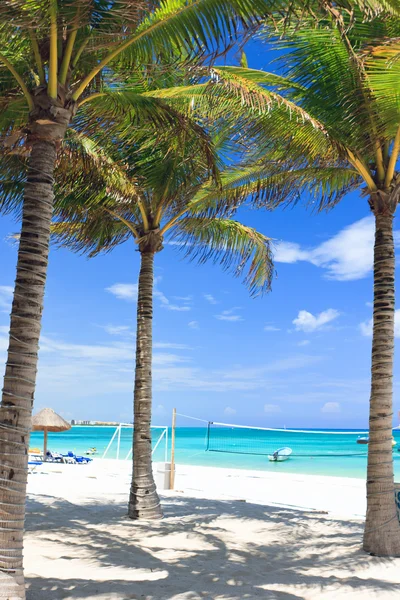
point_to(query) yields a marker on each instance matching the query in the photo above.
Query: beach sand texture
(211, 544)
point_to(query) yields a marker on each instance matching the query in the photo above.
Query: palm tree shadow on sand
(95, 551)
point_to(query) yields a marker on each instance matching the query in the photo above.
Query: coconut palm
(56, 58)
(154, 196)
(331, 125)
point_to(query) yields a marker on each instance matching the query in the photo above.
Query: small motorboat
(363, 440)
(280, 455)
(91, 451)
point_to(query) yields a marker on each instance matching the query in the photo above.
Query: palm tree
(158, 196)
(58, 59)
(332, 125)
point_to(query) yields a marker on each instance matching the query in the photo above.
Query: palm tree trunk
(382, 529)
(25, 324)
(144, 502)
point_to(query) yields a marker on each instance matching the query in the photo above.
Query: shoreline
(191, 449)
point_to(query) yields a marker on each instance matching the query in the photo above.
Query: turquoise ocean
(232, 448)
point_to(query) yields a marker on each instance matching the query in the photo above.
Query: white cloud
(228, 315)
(348, 255)
(290, 252)
(230, 411)
(235, 379)
(171, 345)
(305, 321)
(3, 342)
(117, 329)
(232, 318)
(162, 358)
(177, 308)
(6, 294)
(331, 407)
(271, 328)
(210, 298)
(303, 343)
(129, 292)
(159, 410)
(297, 361)
(272, 408)
(94, 352)
(193, 324)
(186, 299)
(80, 374)
(366, 326)
(124, 291)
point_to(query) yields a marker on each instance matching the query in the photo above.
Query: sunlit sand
(227, 534)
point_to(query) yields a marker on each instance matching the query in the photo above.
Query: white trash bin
(162, 476)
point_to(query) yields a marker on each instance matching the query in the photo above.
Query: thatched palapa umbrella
(47, 420)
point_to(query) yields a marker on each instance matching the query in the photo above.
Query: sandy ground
(223, 537)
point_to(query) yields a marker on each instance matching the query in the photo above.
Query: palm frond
(320, 186)
(236, 247)
(383, 70)
(12, 180)
(194, 27)
(92, 234)
(125, 114)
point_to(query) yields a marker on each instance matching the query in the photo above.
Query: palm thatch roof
(49, 420)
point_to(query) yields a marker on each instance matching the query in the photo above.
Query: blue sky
(299, 356)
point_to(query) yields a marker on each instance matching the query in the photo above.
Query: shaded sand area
(80, 545)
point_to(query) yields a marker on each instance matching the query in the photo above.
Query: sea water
(233, 446)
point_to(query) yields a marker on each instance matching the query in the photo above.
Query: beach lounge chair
(73, 458)
(54, 457)
(83, 459)
(32, 465)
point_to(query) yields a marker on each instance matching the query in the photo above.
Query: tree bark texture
(144, 502)
(382, 529)
(25, 324)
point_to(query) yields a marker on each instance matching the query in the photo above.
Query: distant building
(95, 423)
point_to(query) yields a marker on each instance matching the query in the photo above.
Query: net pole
(172, 480)
(119, 440)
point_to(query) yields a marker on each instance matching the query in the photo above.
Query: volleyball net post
(172, 476)
(176, 449)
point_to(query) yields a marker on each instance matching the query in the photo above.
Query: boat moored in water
(280, 455)
(365, 440)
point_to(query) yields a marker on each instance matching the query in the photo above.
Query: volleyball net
(241, 439)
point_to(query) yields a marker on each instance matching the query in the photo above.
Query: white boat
(363, 440)
(280, 455)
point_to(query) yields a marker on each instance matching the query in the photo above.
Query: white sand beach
(227, 535)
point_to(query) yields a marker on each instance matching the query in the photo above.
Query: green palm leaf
(236, 247)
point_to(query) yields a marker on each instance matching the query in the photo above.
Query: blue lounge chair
(32, 464)
(78, 459)
(54, 457)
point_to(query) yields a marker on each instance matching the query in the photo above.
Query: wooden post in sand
(172, 480)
